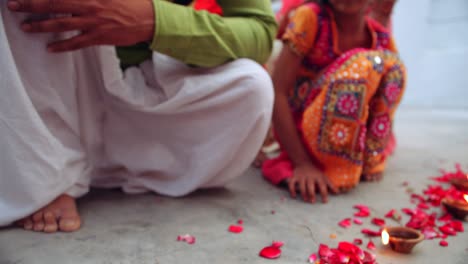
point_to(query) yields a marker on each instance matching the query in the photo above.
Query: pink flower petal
(270, 252)
(443, 243)
(357, 241)
(357, 221)
(236, 229)
(371, 233)
(378, 222)
(277, 244)
(345, 223)
(429, 233)
(371, 245)
(312, 258)
(240, 222)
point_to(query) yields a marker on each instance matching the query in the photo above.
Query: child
(338, 82)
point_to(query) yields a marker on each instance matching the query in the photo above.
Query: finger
(292, 187)
(57, 25)
(78, 42)
(331, 187)
(303, 190)
(323, 191)
(51, 6)
(311, 190)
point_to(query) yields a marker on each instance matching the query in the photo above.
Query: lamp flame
(385, 237)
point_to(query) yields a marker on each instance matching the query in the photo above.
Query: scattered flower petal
(371, 233)
(362, 214)
(429, 233)
(312, 258)
(345, 223)
(236, 229)
(378, 222)
(357, 241)
(324, 251)
(240, 222)
(371, 245)
(332, 236)
(357, 221)
(277, 244)
(407, 211)
(393, 214)
(270, 252)
(448, 230)
(186, 238)
(457, 226)
(443, 243)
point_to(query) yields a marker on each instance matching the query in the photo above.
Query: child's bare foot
(60, 215)
(372, 177)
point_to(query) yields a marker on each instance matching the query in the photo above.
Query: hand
(100, 22)
(307, 177)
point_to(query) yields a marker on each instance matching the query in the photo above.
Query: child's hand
(307, 178)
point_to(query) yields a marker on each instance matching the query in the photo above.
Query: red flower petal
(443, 243)
(423, 206)
(446, 217)
(448, 230)
(186, 238)
(369, 258)
(408, 211)
(362, 214)
(240, 222)
(371, 232)
(236, 229)
(371, 245)
(378, 221)
(345, 223)
(270, 252)
(324, 251)
(362, 207)
(277, 244)
(357, 221)
(312, 258)
(357, 241)
(390, 213)
(457, 226)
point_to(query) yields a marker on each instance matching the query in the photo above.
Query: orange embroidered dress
(343, 102)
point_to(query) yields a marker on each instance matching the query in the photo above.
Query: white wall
(432, 36)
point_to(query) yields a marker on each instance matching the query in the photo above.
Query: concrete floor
(122, 228)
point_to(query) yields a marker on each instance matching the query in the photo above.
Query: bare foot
(261, 157)
(60, 215)
(372, 177)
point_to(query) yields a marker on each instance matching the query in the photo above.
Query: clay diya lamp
(460, 183)
(457, 208)
(401, 239)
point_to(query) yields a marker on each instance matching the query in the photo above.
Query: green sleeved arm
(246, 30)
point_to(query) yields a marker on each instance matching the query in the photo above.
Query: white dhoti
(73, 120)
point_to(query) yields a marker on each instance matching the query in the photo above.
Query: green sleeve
(246, 30)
